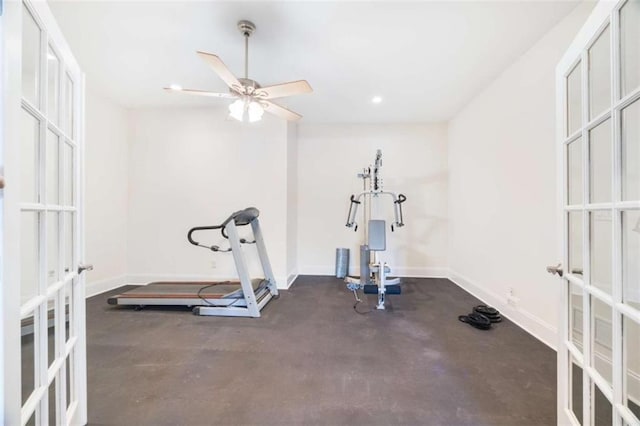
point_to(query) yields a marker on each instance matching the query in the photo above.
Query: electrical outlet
(214, 265)
(512, 300)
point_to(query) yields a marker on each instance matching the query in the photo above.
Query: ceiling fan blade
(202, 93)
(285, 89)
(280, 111)
(221, 69)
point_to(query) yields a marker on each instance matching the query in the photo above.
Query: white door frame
(605, 13)
(11, 107)
(9, 276)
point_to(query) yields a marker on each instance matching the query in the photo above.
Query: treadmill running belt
(188, 290)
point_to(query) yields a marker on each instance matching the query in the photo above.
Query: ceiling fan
(251, 98)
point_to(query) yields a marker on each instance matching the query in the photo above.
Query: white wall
(503, 226)
(292, 202)
(192, 167)
(414, 163)
(106, 181)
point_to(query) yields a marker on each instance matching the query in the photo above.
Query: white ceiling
(426, 59)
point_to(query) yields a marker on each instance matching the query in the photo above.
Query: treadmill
(242, 298)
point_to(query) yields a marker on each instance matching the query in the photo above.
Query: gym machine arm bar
(397, 208)
(353, 209)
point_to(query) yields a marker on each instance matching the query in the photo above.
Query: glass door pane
(601, 324)
(68, 176)
(53, 171)
(52, 403)
(631, 152)
(30, 58)
(29, 255)
(601, 249)
(51, 331)
(630, 46)
(69, 110)
(68, 242)
(600, 74)
(574, 100)
(575, 386)
(574, 173)
(29, 150)
(600, 160)
(53, 86)
(630, 256)
(602, 409)
(575, 316)
(575, 243)
(27, 359)
(631, 348)
(53, 241)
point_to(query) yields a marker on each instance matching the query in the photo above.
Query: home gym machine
(245, 298)
(373, 270)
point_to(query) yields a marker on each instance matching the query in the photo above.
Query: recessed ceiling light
(175, 87)
(376, 99)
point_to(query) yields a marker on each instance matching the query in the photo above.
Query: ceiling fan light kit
(253, 109)
(251, 99)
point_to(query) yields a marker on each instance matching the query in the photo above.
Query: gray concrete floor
(310, 359)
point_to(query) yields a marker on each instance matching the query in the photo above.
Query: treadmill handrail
(200, 228)
(246, 216)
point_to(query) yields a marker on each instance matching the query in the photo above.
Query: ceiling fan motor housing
(246, 27)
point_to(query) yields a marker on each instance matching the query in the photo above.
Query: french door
(43, 317)
(598, 104)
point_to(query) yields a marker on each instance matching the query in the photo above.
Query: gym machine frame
(374, 273)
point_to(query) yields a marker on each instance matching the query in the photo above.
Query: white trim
(584, 37)
(290, 279)
(102, 286)
(537, 327)
(10, 83)
(406, 272)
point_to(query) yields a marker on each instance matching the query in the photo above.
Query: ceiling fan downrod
(246, 28)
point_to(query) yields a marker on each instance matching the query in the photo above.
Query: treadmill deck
(186, 292)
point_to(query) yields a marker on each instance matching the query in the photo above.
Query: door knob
(555, 270)
(82, 267)
(1, 182)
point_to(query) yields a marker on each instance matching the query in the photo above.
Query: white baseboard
(144, 279)
(293, 275)
(535, 326)
(426, 272)
(98, 287)
(415, 272)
